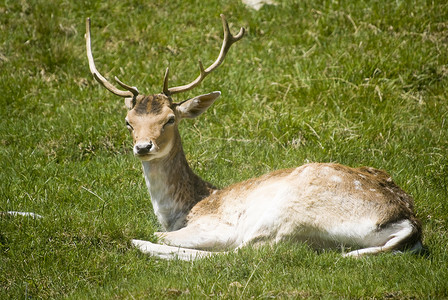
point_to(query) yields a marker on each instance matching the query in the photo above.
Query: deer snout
(144, 148)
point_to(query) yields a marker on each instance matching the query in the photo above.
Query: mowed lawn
(362, 83)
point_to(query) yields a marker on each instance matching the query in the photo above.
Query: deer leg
(200, 236)
(396, 236)
(170, 252)
(188, 243)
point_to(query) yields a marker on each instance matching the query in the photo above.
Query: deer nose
(143, 148)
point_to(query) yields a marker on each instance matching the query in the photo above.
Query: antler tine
(131, 91)
(229, 39)
(165, 82)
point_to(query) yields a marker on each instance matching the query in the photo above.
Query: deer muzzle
(144, 148)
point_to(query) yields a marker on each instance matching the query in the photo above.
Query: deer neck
(174, 188)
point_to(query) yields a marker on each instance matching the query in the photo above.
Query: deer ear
(193, 107)
(129, 103)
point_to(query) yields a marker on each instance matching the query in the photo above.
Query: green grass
(354, 82)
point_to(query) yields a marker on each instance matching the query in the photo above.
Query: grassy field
(354, 82)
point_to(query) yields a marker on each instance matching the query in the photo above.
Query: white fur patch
(350, 232)
(336, 178)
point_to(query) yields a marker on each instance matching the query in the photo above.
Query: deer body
(323, 204)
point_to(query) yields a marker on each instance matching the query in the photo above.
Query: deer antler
(229, 39)
(131, 92)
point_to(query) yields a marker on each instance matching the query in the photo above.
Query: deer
(324, 205)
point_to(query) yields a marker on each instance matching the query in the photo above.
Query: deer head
(153, 119)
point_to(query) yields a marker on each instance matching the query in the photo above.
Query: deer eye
(170, 121)
(128, 125)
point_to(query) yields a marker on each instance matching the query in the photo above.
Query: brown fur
(153, 104)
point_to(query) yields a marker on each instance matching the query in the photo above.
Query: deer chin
(146, 157)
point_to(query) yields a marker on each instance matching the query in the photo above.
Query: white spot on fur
(336, 178)
(357, 184)
(390, 190)
(326, 170)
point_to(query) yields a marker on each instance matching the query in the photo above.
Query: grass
(354, 82)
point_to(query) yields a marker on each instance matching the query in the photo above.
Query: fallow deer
(322, 204)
